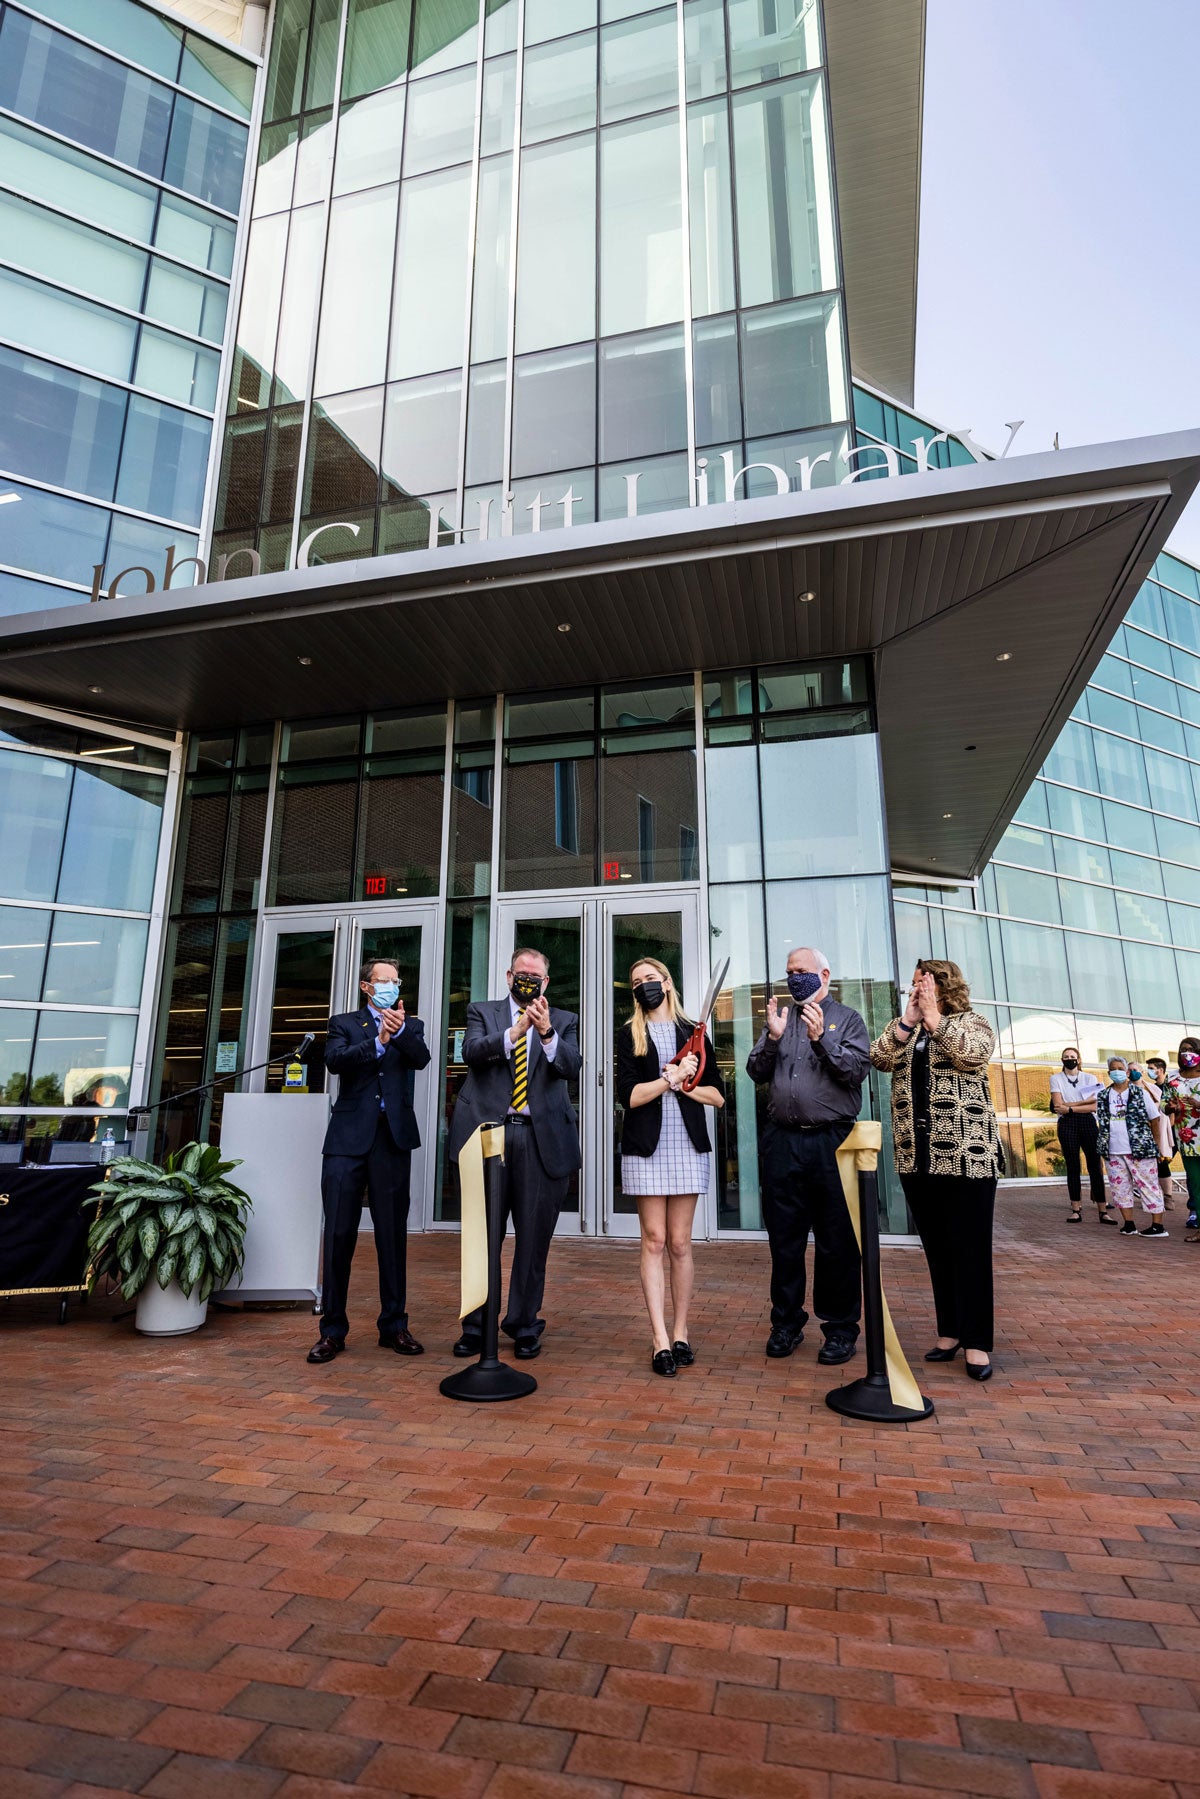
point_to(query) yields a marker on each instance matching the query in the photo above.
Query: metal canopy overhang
(939, 576)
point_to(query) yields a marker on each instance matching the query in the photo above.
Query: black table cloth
(43, 1228)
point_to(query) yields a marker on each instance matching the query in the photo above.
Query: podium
(278, 1138)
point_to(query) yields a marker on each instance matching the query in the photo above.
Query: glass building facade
(82, 890)
(123, 140)
(463, 269)
(1085, 927)
(520, 263)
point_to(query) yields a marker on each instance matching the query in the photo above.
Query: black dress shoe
(663, 1362)
(979, 1370)
(527, 1348)
(782, 1342)
(942, 1355)
(467, 1345)
(403, 1342)
(682, 1353)
(324, 1349)
(837, 1347)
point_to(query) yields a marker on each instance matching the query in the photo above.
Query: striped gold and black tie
(520, 1090)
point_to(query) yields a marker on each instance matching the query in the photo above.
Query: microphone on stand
(306, 1042)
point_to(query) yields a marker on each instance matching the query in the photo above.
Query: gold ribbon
(860, 1153)
(486, 1140)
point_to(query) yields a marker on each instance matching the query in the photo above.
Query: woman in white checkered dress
(665, 1148)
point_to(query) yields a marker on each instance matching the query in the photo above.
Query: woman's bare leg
(652, 1216)
(681, 1210)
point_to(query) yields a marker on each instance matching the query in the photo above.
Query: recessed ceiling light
(304, 661)
(95, 690)
(564, 627)
(806, 596)
(947, 815)
(1004, 656)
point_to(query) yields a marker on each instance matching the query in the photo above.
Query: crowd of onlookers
(1131, 1126)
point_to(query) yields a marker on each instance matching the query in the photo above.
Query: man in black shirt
(815, 1055)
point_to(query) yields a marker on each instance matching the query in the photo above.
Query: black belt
(829, 1124)
(517, 1118)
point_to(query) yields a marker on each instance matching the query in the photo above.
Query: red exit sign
(374, 886)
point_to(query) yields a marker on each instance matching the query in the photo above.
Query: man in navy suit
(375, 1053)
(521, 1053)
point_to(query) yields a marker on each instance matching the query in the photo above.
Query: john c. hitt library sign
(556, 511)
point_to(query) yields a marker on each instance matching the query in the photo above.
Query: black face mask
(649, 995)
(1070, 1062)
(526, 988)
(802, 985)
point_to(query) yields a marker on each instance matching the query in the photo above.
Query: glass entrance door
(308, 969)
(591, 945)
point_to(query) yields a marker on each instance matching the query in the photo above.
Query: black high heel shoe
(663, 1362)
(942, 1355)
(979, 1370)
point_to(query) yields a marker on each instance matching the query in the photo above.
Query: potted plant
(168, 1236)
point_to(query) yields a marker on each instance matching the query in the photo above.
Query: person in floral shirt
(1181, 1101)
(1124, 1116)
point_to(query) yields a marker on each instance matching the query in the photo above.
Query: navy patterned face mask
(802, 985)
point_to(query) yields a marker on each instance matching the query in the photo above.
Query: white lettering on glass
(307, 543)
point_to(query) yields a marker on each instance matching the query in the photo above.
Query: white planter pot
(168, 1311)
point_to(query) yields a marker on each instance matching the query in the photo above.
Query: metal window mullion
(385, 373)
(689, 372)
(497, 802)
(88, 723)
(33, 905)
(58, 1006)
(141, 245)
(90, 499)
(152, 968)
(264, 873)
(237, 275)
(472, 228)
(335, 119)
(510, 351)
(145, 393)
(113, 162)
(32, 574)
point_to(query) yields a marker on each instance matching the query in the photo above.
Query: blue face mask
(1117, 1076)
(803, 985)
(386, 994)
(1135, 1074)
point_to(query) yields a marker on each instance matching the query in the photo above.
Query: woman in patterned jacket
(947, 1151)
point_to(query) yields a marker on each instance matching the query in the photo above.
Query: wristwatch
(545, 1035)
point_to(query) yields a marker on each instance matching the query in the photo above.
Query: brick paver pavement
(223, 1572)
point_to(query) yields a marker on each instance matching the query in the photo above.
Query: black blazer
(642, 1125)
(486, 1093)
(363, 1075)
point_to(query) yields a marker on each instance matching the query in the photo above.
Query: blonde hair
(953, 992)
(637, 1021)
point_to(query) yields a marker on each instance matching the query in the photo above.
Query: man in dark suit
(521, 1053)
(375, 1053)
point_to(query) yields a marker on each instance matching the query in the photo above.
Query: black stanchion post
(871, 1397)
(489, 1378)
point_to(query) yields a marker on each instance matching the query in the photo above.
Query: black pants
(1077, 1135)
(532, 1199)
(954, 1217)
(384, 1174)
(802, 1192)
